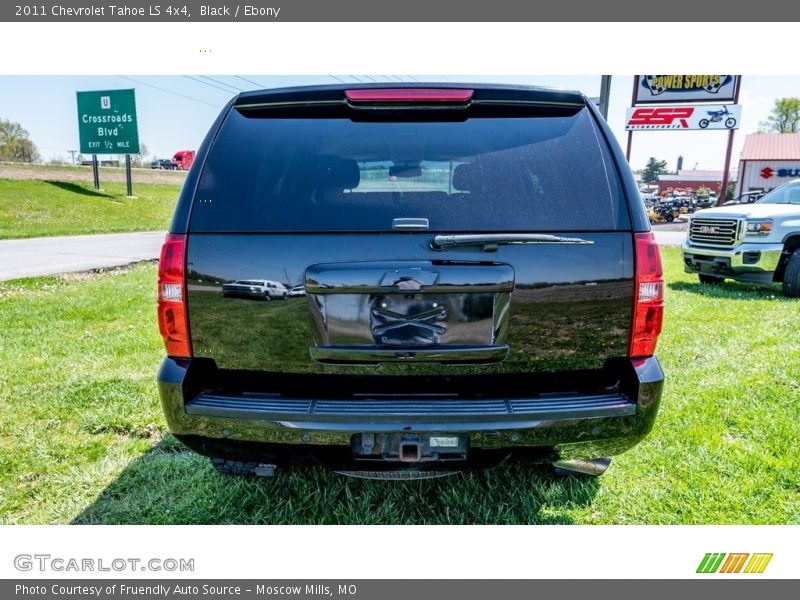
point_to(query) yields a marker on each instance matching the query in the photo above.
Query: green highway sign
(107, 122)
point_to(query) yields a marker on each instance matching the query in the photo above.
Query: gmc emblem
(707, 229)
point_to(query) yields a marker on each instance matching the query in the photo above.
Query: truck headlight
(758, 227)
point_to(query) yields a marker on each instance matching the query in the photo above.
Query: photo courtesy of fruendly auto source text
(364, 265)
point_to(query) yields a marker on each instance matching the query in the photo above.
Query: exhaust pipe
(591, 466)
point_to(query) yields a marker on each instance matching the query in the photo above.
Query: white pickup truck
(754, 243)
(256, 288)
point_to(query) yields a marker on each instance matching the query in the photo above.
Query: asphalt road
(53, 255)
(669, 238)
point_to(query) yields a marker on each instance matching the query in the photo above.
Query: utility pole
(630, 133)
(605, 91)
(723, 192)
(72, 154)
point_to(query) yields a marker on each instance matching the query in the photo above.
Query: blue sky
(175, 112)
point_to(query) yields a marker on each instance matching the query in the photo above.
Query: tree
(140, 160)
(653, 169)
(784, 116)
(15, 145)
(730, 191)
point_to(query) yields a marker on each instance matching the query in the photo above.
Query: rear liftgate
(368, 313)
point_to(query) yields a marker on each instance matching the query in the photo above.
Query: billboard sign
(107, 122)
(683, 118)
(683, 89)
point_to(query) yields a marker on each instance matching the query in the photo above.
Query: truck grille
(715, 232)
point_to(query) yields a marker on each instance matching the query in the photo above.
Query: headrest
(333, 172)
(467, 177)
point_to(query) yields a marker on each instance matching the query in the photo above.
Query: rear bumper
(557, 426)
(754, 263)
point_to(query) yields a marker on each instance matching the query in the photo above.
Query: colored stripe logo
(737, 562)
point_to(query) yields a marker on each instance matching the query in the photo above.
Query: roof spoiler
(378, 96)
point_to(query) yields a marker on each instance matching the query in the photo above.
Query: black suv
(480, 284)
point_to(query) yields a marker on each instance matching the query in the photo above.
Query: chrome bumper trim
(769, 256)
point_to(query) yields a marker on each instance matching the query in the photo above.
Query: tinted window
(481, 174)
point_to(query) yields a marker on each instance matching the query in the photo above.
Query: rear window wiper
(491, 241)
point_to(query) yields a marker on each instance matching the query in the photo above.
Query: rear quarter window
(480, 174)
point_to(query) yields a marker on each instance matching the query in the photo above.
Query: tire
(267, 297)
(710, 279)
(730, 122)
(670, 218)
(703, 123)
(791, 276)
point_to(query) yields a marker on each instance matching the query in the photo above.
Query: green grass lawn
(33, 208)
(82, 438)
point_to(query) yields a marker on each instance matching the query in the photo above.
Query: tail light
(648, 302)
(408, 95)
(173, 318)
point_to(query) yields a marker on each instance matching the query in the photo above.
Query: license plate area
(419, 311)
(410, 448)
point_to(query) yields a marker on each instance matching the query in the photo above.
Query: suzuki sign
(685, 118)
(768, 172)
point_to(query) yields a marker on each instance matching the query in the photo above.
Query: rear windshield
(480, 174)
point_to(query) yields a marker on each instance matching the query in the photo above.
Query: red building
(690, 180)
